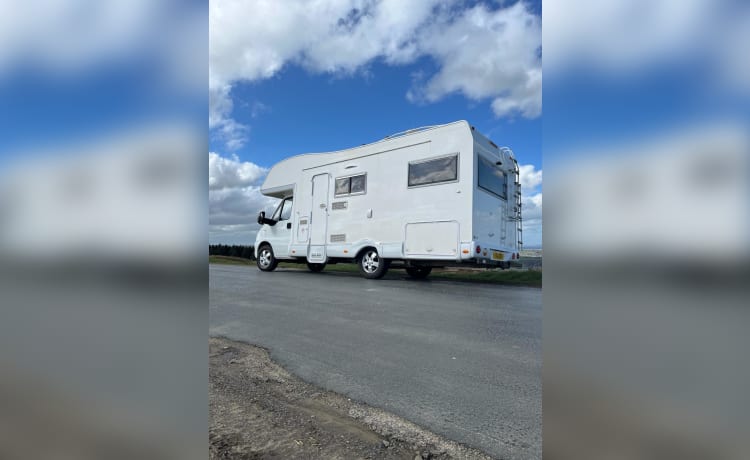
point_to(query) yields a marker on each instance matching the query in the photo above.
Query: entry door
(319, 220)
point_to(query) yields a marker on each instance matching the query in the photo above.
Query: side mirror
(262, 219)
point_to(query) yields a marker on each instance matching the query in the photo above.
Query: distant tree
(235, 250)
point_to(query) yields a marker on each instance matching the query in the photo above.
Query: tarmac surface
(463, 360)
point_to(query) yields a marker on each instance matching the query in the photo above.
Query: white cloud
(480, 53)
(228, 173)
(487, 54)
(625, 37)
(258, 108)
(232, 214)
(531, 200)
(71, 38)
(234, 199)
(225, 128)
(530, 177)
(532, 220)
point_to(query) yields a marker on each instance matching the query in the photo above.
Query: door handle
(288, 225)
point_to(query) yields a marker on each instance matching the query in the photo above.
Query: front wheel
(418, 272)
(371, 265)
(316, 268)
(266, 260)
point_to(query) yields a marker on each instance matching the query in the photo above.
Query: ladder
(517, 215)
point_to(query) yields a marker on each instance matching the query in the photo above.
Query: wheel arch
(260, 245)
(364, 248)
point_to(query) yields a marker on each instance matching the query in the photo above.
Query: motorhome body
(427, 197)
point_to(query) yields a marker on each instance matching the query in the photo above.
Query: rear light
(479, 249)
(513, 256)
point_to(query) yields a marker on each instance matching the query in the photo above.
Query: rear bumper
(481, 254)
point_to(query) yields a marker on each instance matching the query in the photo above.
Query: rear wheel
(267, 262)
(371, 265)
(317, 268)
(418, 272)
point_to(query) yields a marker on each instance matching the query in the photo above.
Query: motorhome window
(342, 186)
(351, 185)
(286, 210)
(492, 179)
(435, 171)
(358, 184)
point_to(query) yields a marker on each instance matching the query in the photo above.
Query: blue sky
(49, 111)
(360, 71)
(298, 112)
(292, 76)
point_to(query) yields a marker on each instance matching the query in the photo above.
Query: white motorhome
(426, 197)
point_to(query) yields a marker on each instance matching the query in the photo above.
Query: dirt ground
(260, 411)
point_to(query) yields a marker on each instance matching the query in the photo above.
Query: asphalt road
(461, 359)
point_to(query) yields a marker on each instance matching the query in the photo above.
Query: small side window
(342, 186)
(352, 185)
(357, 184)
(435, 171)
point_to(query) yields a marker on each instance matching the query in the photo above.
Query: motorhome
(428, 197)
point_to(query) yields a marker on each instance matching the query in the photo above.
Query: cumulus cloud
(530, 177)
(234, 199)
(232, 214)
(483, 53)
(531, 201)
(487, 54)
(231, 172)
(220, 121)
(532, 220)
(630, 36)
(71, 38)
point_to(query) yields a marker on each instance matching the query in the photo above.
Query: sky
(302, 78)
(73, 71)
(293, 76)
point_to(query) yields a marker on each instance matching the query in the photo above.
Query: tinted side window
(433, 171)
(358, 184)
(342, 186)
(351, 185)
(492, 179)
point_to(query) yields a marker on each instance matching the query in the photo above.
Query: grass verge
(229, 260)
(531, 278)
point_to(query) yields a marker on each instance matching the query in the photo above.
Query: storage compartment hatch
(432, 239)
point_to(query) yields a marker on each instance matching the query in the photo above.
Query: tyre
(418, 272)
(371, 265)
(266, 260)
(316, 268)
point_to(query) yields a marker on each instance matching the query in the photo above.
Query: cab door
(280, 235)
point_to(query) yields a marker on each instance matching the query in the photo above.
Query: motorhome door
(319, 222)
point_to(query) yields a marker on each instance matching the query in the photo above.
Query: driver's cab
(277, 230)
